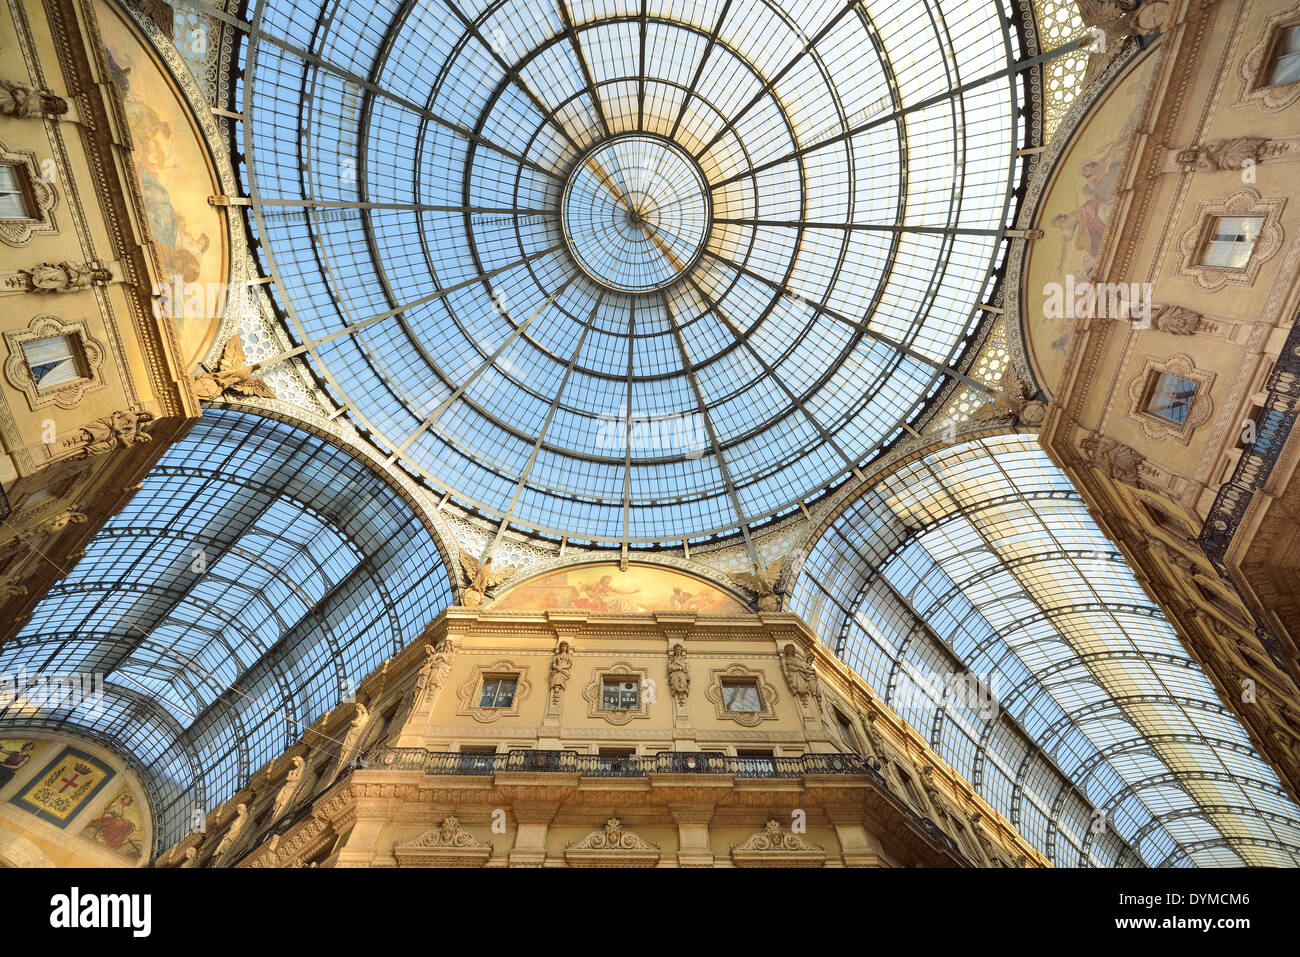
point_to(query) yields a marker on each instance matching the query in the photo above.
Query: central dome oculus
(635, 212)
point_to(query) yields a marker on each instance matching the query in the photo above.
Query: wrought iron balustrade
(643, 765)
(613, 766)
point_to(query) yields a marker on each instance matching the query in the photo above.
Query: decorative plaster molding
(38, 191)
(469, 690)
(1155, 427)
(611, 846)
(775, 847)
(592, 690)
(767, 695)
(66, 396)
(447, 845)
(1253, 87)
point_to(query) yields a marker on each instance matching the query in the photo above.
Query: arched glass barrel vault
(246, 589)
(810, 199)
(981, 557)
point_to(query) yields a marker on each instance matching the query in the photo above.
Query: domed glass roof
(632, 272)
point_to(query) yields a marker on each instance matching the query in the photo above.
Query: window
(383, 724)
(54, 361)
(1285, 61)
(1165, 521)
(741, 696)
(1232, 239)
(498, 691)
(910, 788)
(15, 198)
(964, 839)
(1169, 397)
(846, 730)
(1222, 605)
(619, 694)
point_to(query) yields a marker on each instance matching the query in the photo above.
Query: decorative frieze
(776, 847)
(448, 845)
(611, 846)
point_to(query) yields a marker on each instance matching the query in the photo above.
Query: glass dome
(632, 272)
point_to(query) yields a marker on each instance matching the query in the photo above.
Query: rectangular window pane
(1232, 241)
(741, 696)
(1286, 63)
(54, 361)
(497, 693)
(1171, 397)
(13, 204)
(619, 694)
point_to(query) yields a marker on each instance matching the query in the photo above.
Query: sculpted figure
(61, 521)
(23, 102)
(1114, 459)
(561, 668)
(482, 576)
(679, 677)
(233, 374)
(1234, 153)
(762, 583)
(232, 832)
(1010, 399)
(434, 671)
(1178, 320)
(800, 673)
(290, 784)
(64, 277)
(120, 430)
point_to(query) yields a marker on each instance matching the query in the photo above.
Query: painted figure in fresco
(113, 828)
(684, 601)
(14, 760)
(602, 596)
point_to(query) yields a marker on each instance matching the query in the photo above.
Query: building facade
(556, 738)
(94, 386)
(1165, 333)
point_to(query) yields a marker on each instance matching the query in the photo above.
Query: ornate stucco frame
(38, 191)
(591, 692)
(1191, 245)
(1253, 88)
(469, 690)
(766, 695)
(67, 396)
(1153, 426)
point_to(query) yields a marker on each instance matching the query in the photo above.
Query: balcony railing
(643, 765)
(619, 766)
(1273, 426)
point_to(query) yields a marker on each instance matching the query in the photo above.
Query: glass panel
(498, 692)
(741, 696)
(981, 561)
(1286, 63)
(54, 361)
(314, 572)
(739, 242)
(619, 694)
(13, 202)
(1232, 241)
(1171, 397)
